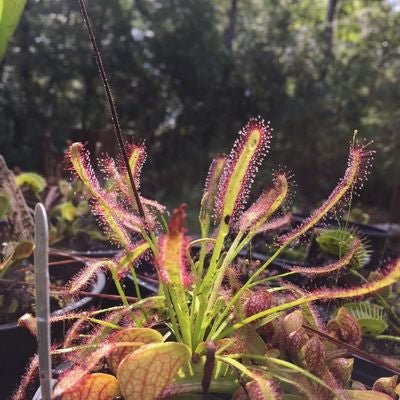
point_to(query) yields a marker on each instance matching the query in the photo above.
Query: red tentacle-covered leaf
(275, 224)
(131, 256)
(266, 205)
(240, 168)
(386, 277)
(335, 266)
(29, 377)
(172, 260)
(137, 156)
(211, 187)
(146, 372)
(137, 336)
(73, 377)
(117, 169)
(259, 389)
(104, 206)
(121, 186)
(358, 161)
(94, 387)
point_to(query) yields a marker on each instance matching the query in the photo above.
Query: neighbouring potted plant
(17, 284)
(205, 332)
(71, 225)
(375, 237)
(17, 299)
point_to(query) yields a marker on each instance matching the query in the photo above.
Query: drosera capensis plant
(205, 331)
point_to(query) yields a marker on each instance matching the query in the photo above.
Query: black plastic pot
(17, 345)
(145, 271)
(367, 372)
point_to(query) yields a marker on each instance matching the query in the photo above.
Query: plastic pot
(17, 344)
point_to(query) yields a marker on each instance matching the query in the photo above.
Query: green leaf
(64, 187)
(10, 13)
(13, 307)
(36, 182)
(83, 207)
(23, 250)
(139, 336)
(68, 211)
(94, 386)
(146, 372)
(372, 318)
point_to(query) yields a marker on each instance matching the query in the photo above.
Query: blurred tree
(187, 74)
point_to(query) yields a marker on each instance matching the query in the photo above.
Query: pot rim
(97, 287)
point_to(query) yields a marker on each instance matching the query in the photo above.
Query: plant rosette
(205, 331)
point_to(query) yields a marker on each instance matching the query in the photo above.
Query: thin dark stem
(111, 103)
(355, 351)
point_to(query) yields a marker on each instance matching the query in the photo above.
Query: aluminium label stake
(41, 261)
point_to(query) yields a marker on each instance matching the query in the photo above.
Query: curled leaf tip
(358, 161)
(176, 223)
(211, 187)
(266, 205)
(172, 260)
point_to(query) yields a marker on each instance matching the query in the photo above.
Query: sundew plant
(205, 330)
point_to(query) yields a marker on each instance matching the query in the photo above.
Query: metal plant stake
(41, 260)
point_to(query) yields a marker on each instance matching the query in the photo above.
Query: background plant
(318, 75)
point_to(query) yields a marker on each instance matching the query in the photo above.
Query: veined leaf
(94, 386)
(146, 372)
(140, 336)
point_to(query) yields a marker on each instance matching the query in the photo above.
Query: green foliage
(358, 215)
(33, 180)
(68, 211)
(16, 252)
(10, 13)
(70, 218)
(221, 336)
(372, 318)
(276, 63)
(337, 242)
